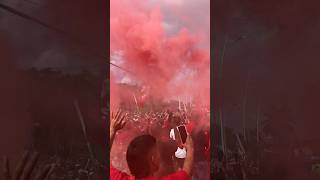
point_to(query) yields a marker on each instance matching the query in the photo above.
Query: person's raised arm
(117, 122)
(26, 168)
(188, 162)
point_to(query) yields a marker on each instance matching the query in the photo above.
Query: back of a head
(138, 153)
(176, 120)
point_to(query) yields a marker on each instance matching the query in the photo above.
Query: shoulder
(116, 174)
(179, 175)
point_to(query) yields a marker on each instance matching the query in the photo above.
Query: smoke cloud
(170, 63)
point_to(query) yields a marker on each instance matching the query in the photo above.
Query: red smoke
(114, 97)
(171, 66)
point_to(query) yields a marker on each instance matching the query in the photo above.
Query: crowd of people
(234, 166)
(158, 124)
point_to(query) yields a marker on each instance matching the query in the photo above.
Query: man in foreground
(143, 155)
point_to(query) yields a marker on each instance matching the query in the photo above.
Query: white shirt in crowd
(180, 153)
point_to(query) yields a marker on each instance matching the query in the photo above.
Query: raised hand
(118, 121)
(188, 162)
(189, 144)
(25, 168)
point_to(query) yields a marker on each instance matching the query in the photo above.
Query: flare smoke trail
(172, 66)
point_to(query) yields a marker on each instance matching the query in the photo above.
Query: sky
(193, 15)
